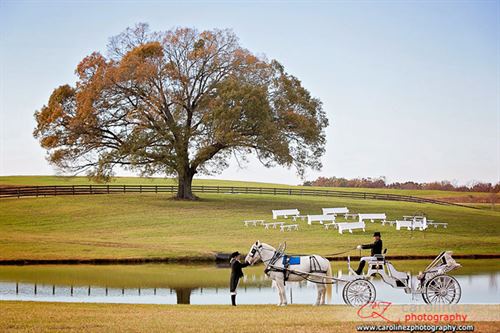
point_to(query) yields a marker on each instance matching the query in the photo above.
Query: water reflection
(254, 289)
(184, 295)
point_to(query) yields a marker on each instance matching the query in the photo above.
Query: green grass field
(59, 180)
(149, 225)
(75, 317)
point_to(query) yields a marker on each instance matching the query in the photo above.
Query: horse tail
(329, 288)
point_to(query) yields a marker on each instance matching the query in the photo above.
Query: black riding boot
(359, 271)
(233, 300)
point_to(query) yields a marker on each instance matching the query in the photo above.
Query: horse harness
(314, 265)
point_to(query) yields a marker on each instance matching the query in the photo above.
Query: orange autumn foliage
(179, 102)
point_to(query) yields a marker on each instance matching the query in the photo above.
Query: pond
(208, 284)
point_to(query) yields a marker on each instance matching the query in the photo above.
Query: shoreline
(217, 258)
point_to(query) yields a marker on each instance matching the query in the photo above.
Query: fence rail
(40, 191)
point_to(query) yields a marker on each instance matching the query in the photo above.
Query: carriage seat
(396, 274)
(380, 257)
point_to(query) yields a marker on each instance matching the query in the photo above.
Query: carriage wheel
(359, 292)
(442, 289)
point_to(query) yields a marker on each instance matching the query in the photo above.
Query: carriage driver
(236, 274)
(376, 249)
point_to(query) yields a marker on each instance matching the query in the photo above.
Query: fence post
(54, 190)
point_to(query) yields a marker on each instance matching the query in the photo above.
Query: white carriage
(435, 286)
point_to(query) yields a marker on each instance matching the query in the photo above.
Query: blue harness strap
(288, 260)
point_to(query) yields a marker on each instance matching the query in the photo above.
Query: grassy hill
(61, 180)
(149, 225)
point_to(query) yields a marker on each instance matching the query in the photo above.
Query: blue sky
(411, 88)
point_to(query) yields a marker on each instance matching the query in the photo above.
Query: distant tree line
(381, 183)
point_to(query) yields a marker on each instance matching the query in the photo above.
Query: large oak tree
(176, 103)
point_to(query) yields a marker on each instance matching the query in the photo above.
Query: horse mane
(267, 246)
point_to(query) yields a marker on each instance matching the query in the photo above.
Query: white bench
(328, 225)
(391, 223)
(253, 222)
(320, 218)
(417, 222)
(350, 226)
(289, 227)
(404, 224)
(285, 213)
(335, 211)
(411, 217)
(372, 217)
(272, 224)
(436, 224)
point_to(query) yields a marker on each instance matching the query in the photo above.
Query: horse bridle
(268, 262)
(259, 249)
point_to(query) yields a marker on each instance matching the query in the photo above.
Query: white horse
(317, 266)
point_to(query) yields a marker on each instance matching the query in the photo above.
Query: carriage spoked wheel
(359, 292)
(442, 289)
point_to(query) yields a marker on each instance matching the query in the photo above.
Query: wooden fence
(40, 191)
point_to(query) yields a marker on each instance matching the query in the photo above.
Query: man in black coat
(376, 248)
(236, 274)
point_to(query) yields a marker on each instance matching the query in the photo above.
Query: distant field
(59, 180)
(149, 225)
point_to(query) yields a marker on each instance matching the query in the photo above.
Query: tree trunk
(184, 190)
